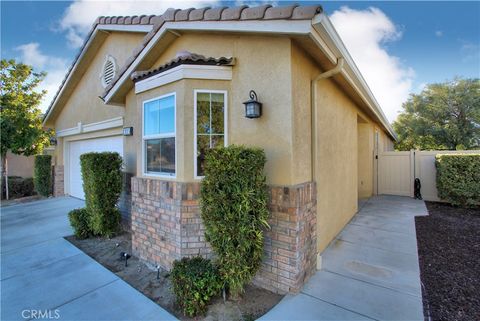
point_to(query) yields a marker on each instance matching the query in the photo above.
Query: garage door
(77, 148)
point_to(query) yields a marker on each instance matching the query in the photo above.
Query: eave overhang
(95, 39)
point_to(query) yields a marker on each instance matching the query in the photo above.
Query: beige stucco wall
(19, 165)
(336, 163)
(344, 165)
(303, 70)
(365, 159)
(263, 64)
(84, 105)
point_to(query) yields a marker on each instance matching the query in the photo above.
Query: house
(162, 89)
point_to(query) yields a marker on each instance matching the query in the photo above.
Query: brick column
(58, 181)
(166, 222)
(291, 243)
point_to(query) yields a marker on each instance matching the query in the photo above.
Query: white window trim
(225, 123)
(208, 72)
(144, 138)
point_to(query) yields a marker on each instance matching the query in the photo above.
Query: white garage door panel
(77, 148)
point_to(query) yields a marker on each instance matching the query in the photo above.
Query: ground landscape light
(253, 108)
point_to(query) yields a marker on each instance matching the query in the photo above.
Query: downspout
(324, 75)
(313, 105)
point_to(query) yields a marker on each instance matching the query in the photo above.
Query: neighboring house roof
(295, 20)
(184, 58)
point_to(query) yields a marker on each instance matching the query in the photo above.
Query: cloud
(55, 67)
(81, 14)
(365, 33)
(469, 51)
(439, 33)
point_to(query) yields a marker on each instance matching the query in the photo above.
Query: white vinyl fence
(397, 172)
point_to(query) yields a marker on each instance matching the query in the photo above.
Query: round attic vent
(109, 70)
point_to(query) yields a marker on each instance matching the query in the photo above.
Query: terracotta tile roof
(264, 12)
(183, 58)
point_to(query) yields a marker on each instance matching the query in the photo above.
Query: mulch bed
(254, 303)
(449, 253)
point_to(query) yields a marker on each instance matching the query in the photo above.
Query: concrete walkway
(43, 273)
(369, 272)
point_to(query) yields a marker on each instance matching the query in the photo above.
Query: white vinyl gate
(397, 172)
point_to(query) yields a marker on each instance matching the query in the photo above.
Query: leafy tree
(20, 117)
(442, 116)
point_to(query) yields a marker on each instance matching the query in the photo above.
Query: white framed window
(109, 71)
(159, 136)
(209, 123)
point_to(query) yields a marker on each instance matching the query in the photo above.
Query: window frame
(225, 123)
(158, 136)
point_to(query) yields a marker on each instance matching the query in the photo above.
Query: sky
(399, 47)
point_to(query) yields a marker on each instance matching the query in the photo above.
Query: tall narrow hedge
(102, 184)
(42, 176)
(458, 179)
(234, 211)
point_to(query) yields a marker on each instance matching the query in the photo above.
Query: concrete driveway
(369, 272)
(45, 277)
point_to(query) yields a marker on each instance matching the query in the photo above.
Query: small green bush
(79, 220)
(102, 184)
(195, 282)
(458, 179)
(234, 211)
(42, 176)
(19, 187)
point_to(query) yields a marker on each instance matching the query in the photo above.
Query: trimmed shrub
(102, 184)
(234, 211)
(195, 282)
(458, 179)
(19, 187)
(42, 176)
(79, 220)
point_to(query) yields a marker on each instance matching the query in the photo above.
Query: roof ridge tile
(233, 13)
(254, 13)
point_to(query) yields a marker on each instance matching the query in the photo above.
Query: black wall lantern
(53, 141)
(253, 109)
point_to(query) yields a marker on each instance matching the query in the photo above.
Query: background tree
(21, 128)
(442, 116)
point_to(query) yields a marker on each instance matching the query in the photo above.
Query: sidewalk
(369, 272)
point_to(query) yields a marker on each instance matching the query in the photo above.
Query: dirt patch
(449, 253)
(254, 303)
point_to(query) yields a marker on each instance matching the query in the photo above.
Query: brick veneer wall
(291, 243)
(166, 225)
(58, 181)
